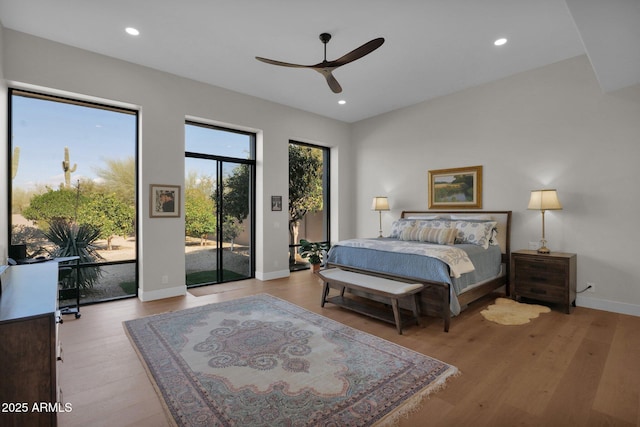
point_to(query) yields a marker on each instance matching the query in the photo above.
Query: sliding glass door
(219, 204)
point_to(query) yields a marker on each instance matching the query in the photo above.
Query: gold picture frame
(457, 188)
(164, 201)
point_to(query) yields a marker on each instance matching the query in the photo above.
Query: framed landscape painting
(458, 188)
(164, 201)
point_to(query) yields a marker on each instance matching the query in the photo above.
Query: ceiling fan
(326, 67)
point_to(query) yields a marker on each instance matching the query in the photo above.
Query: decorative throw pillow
(434, 223)
(398, 225)
(410, 233)
(441, 236)
(476, 233)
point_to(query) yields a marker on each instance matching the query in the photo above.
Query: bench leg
(396, 315)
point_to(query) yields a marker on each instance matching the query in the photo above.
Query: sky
(42, 129)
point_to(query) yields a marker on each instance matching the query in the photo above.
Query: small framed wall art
(164, 201)
(457, 188)
(276, 203)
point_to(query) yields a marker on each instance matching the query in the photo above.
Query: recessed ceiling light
(342, 102)
(500, 41)
(132, 31)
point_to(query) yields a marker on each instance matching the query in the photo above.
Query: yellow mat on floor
(509, 312)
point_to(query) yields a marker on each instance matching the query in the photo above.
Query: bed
(459, 256)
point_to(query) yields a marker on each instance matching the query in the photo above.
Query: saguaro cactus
(14, 162)
(67, 170)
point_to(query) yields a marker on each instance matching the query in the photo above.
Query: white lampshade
(380, 203)
(544, 200)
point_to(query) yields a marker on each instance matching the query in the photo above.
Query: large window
(308, 198)
(219, 204)
(72, 189)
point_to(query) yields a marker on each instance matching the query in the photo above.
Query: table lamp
(380, 203)
(544, 200)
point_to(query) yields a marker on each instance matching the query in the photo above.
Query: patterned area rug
(262, 361)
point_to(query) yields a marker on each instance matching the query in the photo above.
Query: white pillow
(472, 217)
(422, 216)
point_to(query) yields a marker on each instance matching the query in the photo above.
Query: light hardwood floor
(581, 369)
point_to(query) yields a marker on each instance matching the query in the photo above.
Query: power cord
(588, 287)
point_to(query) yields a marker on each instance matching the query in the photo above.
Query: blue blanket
(487, 263)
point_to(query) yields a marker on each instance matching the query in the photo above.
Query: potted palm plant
(314, 251)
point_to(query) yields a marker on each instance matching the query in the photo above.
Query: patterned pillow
(476, 233)
(441, 236)
(434, 223)
(398, 225)
(410, 233)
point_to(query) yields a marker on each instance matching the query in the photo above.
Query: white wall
(547, 128)
(164, 102)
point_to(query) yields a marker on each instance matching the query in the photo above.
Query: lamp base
(544, 250)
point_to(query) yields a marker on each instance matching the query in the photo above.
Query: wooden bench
(388, 289)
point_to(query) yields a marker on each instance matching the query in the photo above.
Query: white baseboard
(606, 305)
(176, 291)
(272, 275)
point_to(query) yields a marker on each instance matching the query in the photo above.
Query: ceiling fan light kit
(326, 67)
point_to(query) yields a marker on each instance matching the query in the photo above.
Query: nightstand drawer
(535, 290)
(544, 273)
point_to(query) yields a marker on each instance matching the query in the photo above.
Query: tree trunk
(293, 238)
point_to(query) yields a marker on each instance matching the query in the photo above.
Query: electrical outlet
(591, 287)
(165, 280)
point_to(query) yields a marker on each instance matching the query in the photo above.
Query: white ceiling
(432, 47)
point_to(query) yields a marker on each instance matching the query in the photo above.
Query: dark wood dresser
(544, 277)
(29, 346)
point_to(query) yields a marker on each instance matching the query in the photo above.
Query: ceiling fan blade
(357, 53)
(333, 83)
(282, 64)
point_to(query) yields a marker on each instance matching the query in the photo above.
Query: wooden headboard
(503, 219)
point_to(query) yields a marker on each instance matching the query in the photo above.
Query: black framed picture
(276, 203)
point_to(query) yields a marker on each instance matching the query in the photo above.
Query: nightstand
(544, 277)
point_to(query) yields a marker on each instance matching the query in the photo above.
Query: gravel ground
(198, 258)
